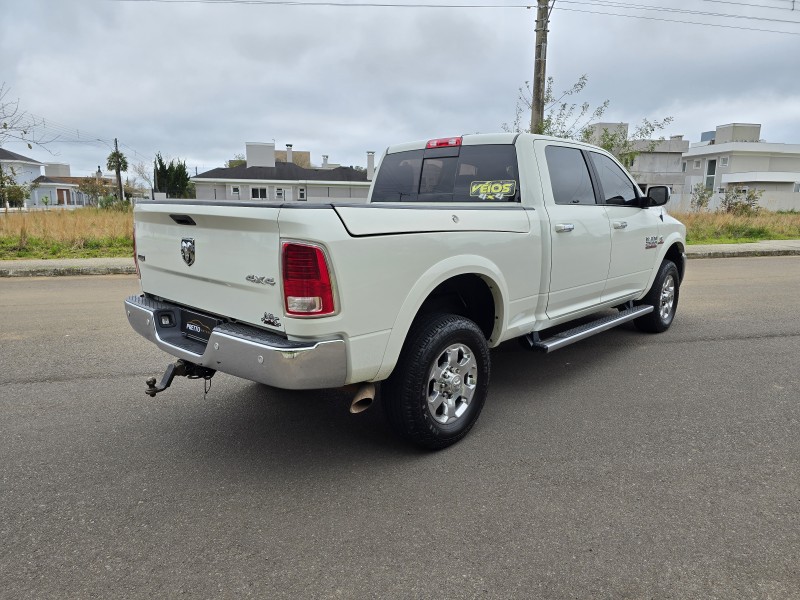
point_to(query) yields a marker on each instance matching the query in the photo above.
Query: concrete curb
(125, 266)
(742, 253)
(61, 271)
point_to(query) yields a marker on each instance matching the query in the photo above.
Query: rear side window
(569, 176)
(617, 188)
(485, 173)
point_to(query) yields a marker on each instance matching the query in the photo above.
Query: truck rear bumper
(242, 350)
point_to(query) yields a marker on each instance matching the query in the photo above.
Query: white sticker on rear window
(493, 190)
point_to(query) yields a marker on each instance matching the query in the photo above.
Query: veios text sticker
(493, 190)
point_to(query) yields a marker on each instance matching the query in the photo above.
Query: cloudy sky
(196, 80)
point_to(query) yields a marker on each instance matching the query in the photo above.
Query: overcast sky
(196, 80)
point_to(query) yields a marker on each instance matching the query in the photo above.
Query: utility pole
(540, 65)
(119, 177)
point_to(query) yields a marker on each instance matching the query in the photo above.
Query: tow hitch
(181, 368)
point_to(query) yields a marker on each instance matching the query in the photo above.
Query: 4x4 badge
(187, 250)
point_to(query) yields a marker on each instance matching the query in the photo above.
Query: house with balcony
(734, 155)
(264, 177)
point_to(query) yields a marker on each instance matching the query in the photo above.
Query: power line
(598, 3)
(595, 12)
(756, 5)
(612, 4)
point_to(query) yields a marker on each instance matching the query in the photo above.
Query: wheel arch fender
(673, 248)
(425, 285)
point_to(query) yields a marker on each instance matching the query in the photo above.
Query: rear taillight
(307, 287)
(444, 142)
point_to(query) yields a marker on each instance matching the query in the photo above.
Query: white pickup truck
(463, 244)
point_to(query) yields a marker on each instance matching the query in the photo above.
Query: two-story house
(265, 178)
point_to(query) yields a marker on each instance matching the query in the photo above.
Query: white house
(264, 178)
(25, 169)
(56, 188)
(734, 156)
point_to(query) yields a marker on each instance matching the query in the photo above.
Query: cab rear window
(485, 173)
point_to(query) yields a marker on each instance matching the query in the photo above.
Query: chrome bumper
(244, 351)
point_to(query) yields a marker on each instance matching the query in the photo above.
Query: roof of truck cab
(475, 139)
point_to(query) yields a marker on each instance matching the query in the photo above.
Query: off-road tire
(410, 395)
(663, 296)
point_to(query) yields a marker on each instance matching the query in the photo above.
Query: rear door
(221, 259)
(579, 232)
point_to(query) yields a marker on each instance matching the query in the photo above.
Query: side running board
(576, 334)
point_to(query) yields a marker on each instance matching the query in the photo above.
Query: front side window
(301, 194)
(258, 193)
(569, 176)
(484, 173)
(617, 188)
(279, 193)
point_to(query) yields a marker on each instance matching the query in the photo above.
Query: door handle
(564, 227)
(620, 224)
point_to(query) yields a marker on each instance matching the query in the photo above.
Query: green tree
(12, 194)
(173, 178)
(740, 201)
(562, 118)
(116, 161)
(237, 161)
(701, 196)
(626, 147)
(567, 119)
(94, 187)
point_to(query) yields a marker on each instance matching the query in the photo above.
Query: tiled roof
(284, 172)
(7, 155)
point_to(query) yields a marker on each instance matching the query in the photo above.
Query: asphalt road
(627, 466)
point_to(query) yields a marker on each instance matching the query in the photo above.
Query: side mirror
(657, 195)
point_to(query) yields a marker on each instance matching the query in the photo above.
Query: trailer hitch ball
(181, 368)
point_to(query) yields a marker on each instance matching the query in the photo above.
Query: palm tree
(117, 162)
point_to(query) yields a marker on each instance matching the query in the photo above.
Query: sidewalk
(118, 266)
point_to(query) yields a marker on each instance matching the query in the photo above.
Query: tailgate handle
(183, 219)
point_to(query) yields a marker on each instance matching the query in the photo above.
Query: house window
(279, 193)
(234, 190)
(683, 167)
(258, 193)
(723, 162)
(697, 164)
(797, 187)
(711, 171)
(301, 194)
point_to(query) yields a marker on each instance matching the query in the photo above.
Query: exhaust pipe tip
(363, 399)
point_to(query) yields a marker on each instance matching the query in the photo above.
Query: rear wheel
(663, 296)
(438, 388)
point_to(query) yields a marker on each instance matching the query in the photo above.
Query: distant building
(658, 162)
(57, 188)
(734, 156)
(25, 169)
(264, 177)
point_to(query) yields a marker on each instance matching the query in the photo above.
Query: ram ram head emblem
(187, 251)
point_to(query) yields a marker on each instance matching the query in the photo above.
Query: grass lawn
(92, 232)
(723, 228)
(80, 233)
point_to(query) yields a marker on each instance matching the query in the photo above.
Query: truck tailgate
(235, 271)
